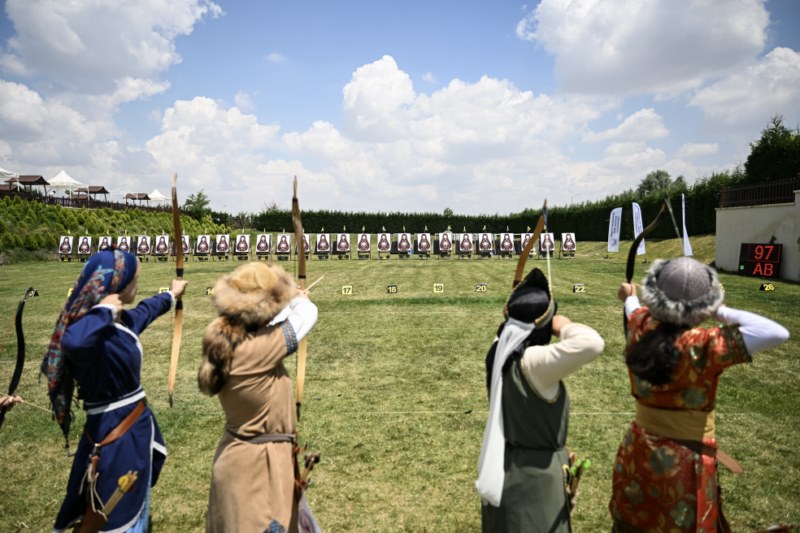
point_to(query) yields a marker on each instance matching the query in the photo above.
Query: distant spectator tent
(65, 182)
(159, 198)
(137, 197)
(93, 190)
(27, 182)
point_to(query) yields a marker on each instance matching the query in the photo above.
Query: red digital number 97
(760, 251)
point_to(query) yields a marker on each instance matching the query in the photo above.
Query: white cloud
(90, 47)
(470, 146)
(644, 124)
(322, 140)
(217, 149)
(275, 57)
(693, 150)
(633, 155)
(244, 101)
(478, 146)
(749, 98)
(629, 46)
(42, 130)
(376, 100)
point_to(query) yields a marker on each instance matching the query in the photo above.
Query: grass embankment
(395, 396)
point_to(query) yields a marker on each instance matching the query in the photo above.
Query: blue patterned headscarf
(106, 272)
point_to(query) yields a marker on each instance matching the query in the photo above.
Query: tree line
(31, 226)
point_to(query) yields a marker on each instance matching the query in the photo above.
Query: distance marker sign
(762, 260)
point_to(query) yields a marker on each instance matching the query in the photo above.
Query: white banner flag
(638, 227)
(614, 222)
(687, 246)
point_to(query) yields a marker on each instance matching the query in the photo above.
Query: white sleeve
(544, 366)
(759, 333)
(631, 305)
(301, 314)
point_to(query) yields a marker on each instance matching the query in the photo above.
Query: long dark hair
(654, 356)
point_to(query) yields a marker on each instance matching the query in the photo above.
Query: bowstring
(549, 277)
(547, 255)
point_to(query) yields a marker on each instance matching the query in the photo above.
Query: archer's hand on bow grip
(178, 287)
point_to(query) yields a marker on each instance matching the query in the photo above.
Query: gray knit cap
(682, 291)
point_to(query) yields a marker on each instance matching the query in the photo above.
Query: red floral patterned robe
(658, 484)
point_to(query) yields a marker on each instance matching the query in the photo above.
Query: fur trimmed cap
(254, 293)
(682, 291)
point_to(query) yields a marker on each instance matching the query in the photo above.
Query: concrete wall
(737, 225)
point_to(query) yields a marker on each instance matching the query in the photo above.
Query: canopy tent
(65, 182)
(93, 190)
(29, 181)
(158, 198)
(137, 197)
(7, 174)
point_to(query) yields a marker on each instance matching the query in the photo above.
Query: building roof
(93, 189)
(31, 180)
(137, 196)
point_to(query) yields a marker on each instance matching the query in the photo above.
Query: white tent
(7, 174)
(65, 182)
(158, 198)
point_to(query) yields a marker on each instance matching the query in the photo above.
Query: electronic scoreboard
(762, 260)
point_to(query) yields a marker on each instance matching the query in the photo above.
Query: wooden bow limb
(666, 208)
(302, 347)
(20, 363)
(523, 256)
(177, 331)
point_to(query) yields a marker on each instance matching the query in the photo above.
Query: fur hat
(682, 291)
(254, 293)
(246, 299)
(530, 302)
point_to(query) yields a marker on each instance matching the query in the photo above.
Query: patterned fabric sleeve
(289, 336)
(639, 322)
(729, 348)
(714, 349)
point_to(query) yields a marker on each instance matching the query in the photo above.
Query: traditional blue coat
(104, 357)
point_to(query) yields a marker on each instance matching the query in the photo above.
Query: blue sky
(480, 107)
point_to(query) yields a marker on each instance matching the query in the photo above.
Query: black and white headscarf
(530, 309)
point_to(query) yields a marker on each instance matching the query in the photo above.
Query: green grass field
(395, 398)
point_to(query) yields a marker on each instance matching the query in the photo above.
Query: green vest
(534, 498)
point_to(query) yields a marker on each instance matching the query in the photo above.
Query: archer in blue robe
(104, 356)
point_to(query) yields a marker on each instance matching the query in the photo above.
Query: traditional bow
(178, 329)
(666, 207)
(17, 375)
(302, 347)
(523, 256)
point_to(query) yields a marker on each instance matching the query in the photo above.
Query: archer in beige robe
(252, 484)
